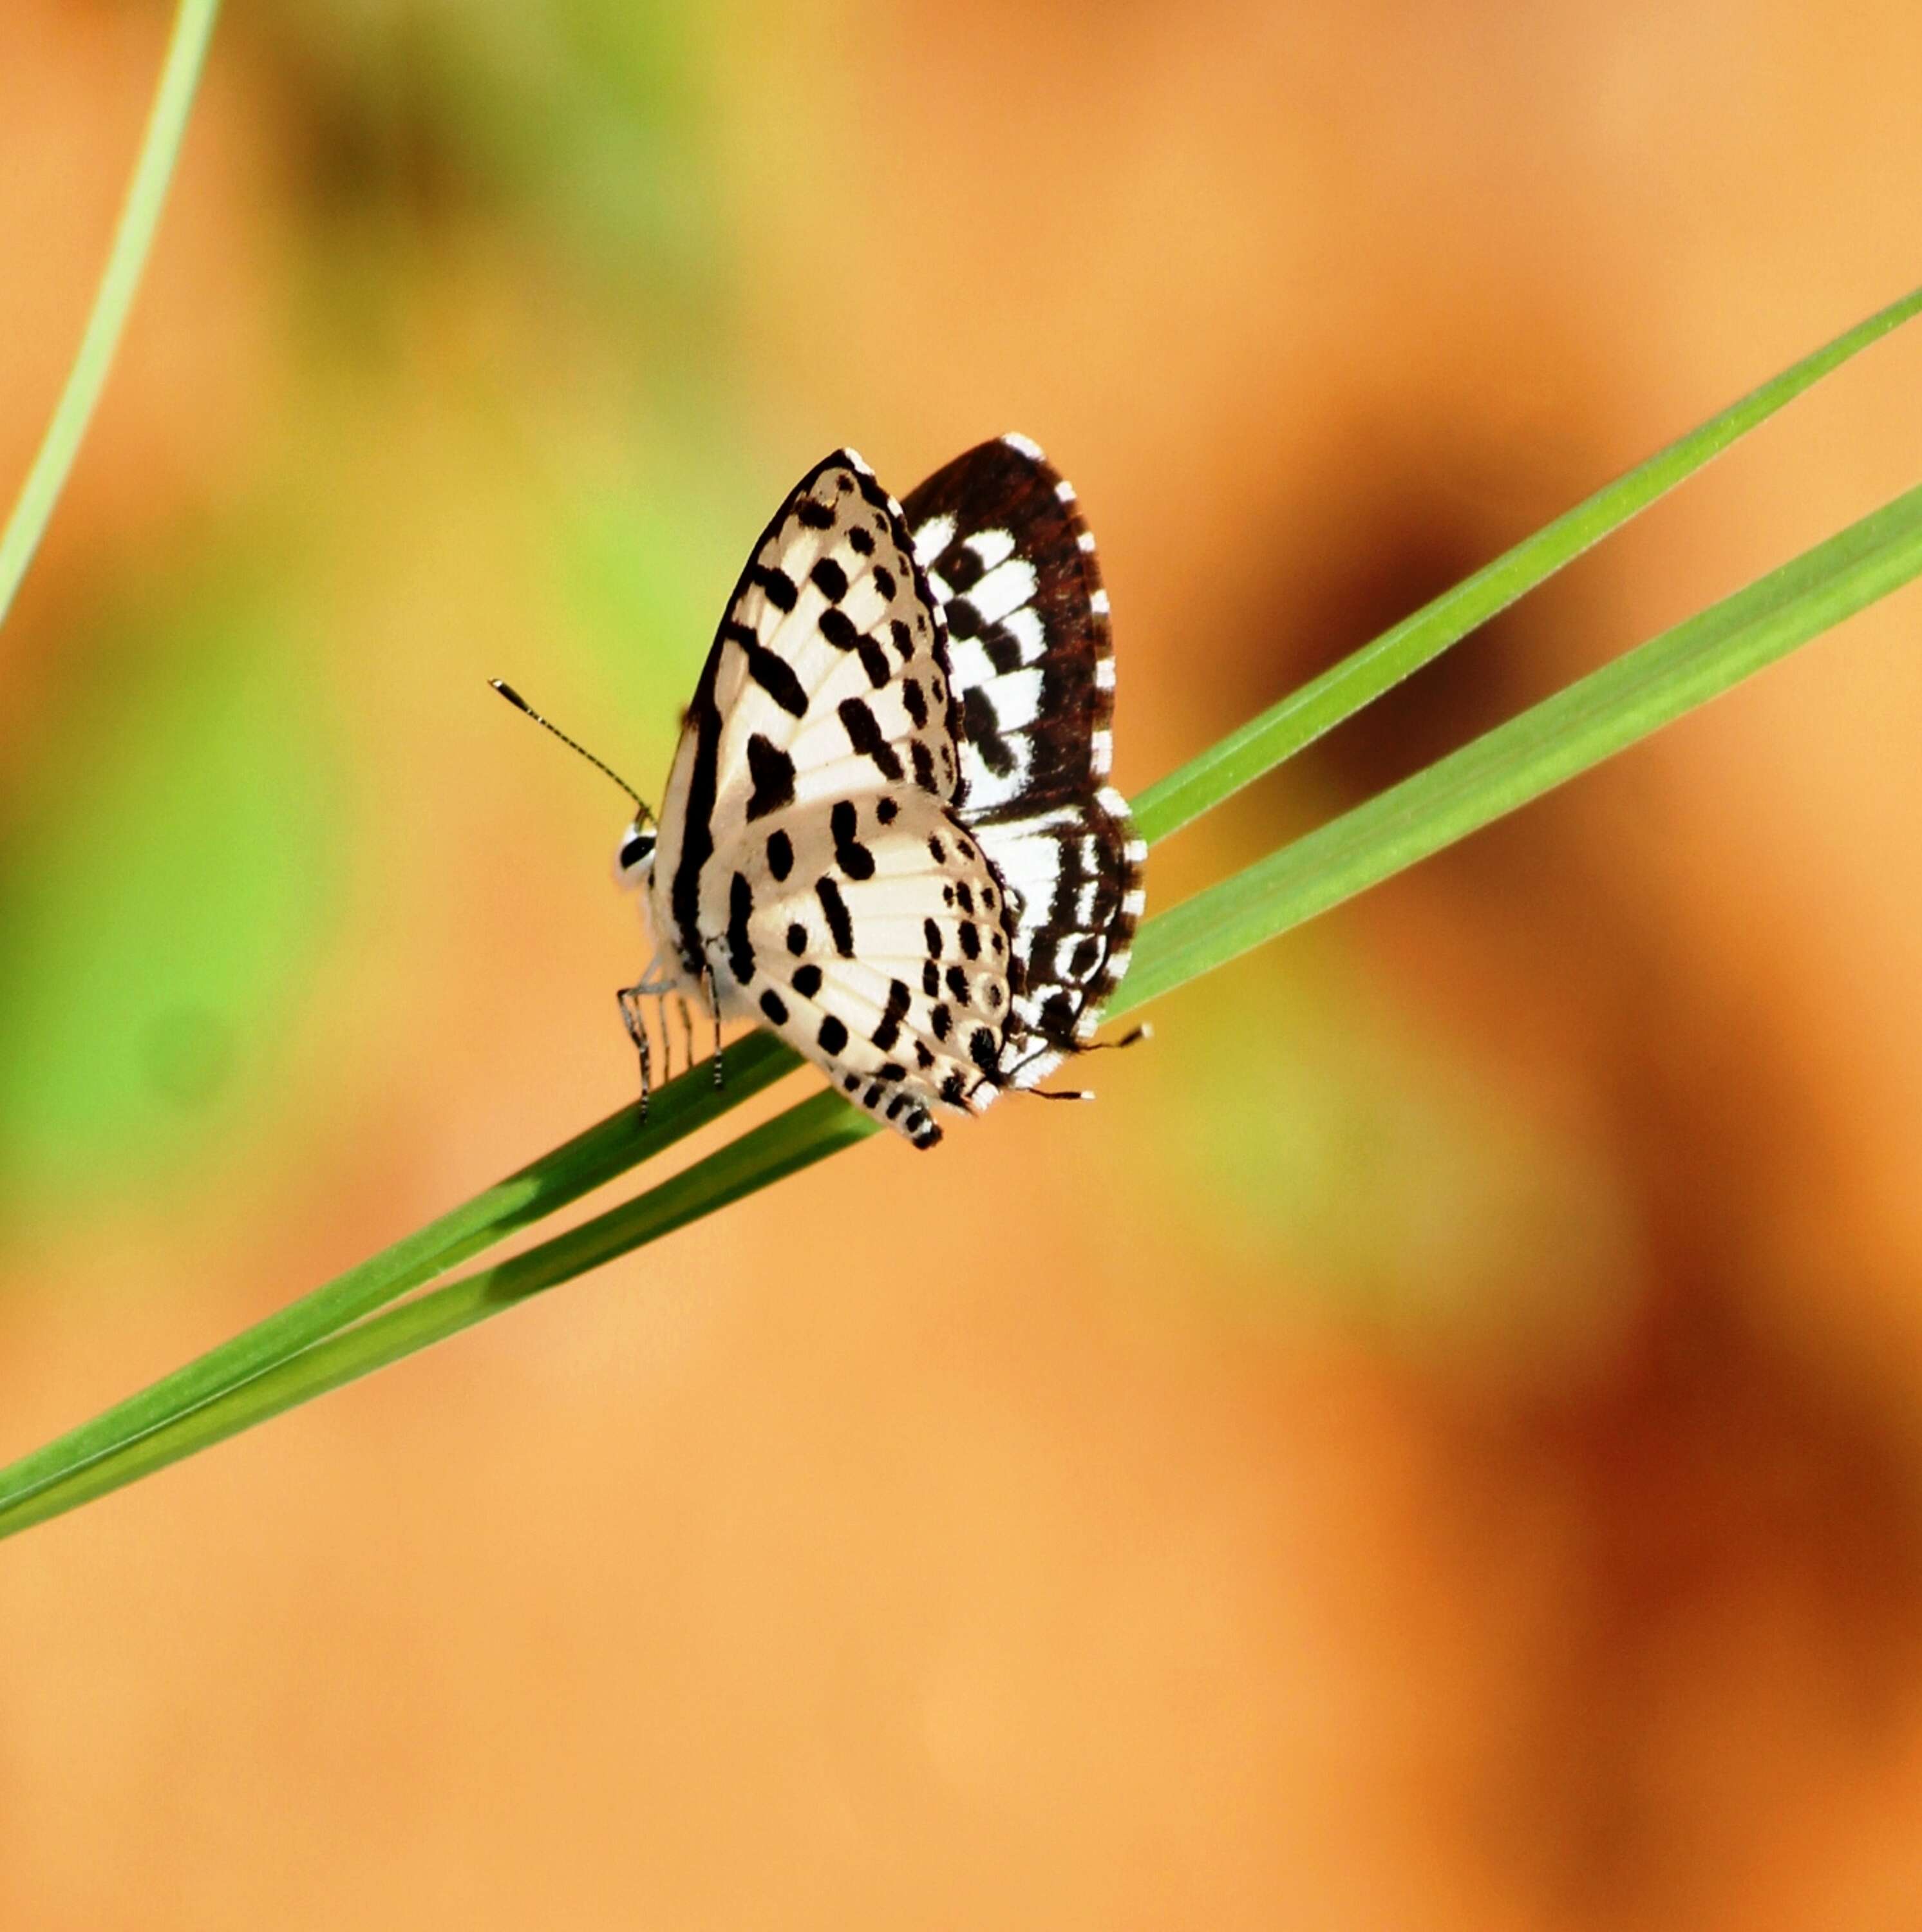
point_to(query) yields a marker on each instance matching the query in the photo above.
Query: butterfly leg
(687, 1028)
(666, 1038)
(1133, 1036)
(635, 1020)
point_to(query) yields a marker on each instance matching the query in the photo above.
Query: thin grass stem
(126, 258)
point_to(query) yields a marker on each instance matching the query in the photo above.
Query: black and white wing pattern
(812, 869)
(1013, 566)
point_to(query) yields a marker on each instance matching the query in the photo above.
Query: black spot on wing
(850, 854)
(774, 675)
(773, 773)
(829, 579)
(834, 909)
(1002, 647)
(740, 948)
(833, 1035)
(888, 1029)
(960, 565)
(779, 852)
(983, 726)
(774, 584)
(698, 827)
(864, 735)
(806, 981)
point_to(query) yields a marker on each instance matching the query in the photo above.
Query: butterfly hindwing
(999, 534)
(878, 945)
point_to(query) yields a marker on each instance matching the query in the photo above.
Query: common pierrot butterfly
(888, 832)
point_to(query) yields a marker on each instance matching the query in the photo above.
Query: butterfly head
(634, 861)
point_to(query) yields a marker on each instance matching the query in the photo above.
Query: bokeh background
(1437, 1445)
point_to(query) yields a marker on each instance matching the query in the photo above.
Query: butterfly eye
(636, 848)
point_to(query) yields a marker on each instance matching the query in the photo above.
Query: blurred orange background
(1436, 1446)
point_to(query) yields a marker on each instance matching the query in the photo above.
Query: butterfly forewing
(809, 857)
(1000, 535)
(829, 676)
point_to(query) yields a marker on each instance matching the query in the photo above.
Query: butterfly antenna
(520, 703)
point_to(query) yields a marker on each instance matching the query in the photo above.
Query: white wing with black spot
(811, 805)
(879, 948)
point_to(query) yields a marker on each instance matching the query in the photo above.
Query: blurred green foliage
(588, 119)
(165, 898)
(176, 837)
(1342, 1149)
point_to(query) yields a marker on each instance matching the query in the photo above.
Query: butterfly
(888, 832)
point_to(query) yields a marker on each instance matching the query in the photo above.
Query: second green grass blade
(575, 1169)
(805, 1133)
(1592, 720)
(1323, 702)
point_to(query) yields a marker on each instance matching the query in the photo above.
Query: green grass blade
(146, 196)
(576, 1168)
(1547, 744)
(1553, 741)
(1302, 716)
(807, 1133)
(310, 1347)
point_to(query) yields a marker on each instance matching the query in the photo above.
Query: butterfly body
(886, 832)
